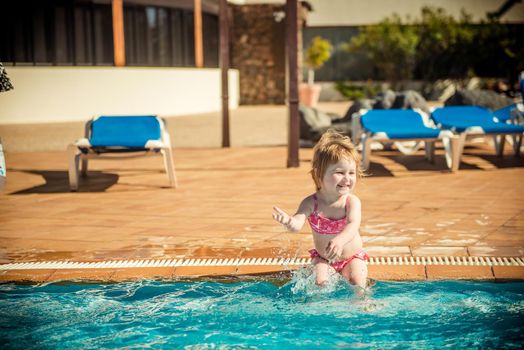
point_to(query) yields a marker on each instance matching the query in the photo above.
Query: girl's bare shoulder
(353, 199)
(354, 206)
(307, 205)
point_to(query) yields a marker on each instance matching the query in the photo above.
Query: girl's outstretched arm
(296, 222)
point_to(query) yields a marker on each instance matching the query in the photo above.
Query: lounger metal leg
(83, 172)
(453, 146)
(448, 150)
(499, 141)
(457, 147)
(366, 151)
(356, 129)
(429, 147)
(517, 143)
(74, 156)
(170, 167)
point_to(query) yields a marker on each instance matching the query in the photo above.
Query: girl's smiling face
(340, 178)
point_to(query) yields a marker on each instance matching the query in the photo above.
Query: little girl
(333, 211)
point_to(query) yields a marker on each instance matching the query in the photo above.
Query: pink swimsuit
(326, 226)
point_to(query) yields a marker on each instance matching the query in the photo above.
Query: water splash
(262, 314)
(303, 282)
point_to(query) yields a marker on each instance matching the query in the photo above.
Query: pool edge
(390, 268)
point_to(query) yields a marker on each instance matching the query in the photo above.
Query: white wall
(359, 12)
(58, 94)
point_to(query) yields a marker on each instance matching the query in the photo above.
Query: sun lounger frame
(81, 151)
(450, 141)
(499, 139)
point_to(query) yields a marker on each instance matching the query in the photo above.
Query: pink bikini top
(325, 226)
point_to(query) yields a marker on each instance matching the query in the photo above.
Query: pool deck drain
(383, 268)
(416, 260)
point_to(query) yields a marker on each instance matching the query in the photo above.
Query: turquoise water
(261, 314)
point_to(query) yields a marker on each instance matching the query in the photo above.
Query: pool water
(261, 314)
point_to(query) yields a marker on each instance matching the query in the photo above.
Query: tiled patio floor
(222, 209)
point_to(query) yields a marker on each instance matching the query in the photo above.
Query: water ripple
(260, 314)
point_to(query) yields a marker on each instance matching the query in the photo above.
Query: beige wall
(360, 12)
(59, 94)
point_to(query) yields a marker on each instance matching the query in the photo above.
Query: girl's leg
(356, 272)
(321, 271)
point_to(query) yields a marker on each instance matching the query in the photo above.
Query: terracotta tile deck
(222, 210)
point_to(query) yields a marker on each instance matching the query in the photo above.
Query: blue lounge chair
(133, 135)
(512, 114)
(390, 125)
(466, 121)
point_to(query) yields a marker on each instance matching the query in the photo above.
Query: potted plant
(318, 52)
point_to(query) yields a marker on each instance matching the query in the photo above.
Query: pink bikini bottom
(339, 265)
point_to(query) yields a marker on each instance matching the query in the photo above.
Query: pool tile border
(261, 261)
(394, 268)
(397, 272)
(436, 272)
(508, 272)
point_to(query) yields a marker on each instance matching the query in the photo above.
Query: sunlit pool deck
(419, 220)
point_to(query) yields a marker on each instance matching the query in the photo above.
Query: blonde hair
(331, 148)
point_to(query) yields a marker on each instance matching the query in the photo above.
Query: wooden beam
(199, 51)
(118, 33)
(292, 82)
(224, 67)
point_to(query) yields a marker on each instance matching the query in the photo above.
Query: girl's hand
(282, 217)
(334, 249)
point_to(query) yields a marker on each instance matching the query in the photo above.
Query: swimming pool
(278, 314)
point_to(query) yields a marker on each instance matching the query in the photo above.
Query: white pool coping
(146, 263)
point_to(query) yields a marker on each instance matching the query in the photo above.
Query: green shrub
(317, 53)
(439, 47)
(391, 47)
(356, 92)
(445, 45)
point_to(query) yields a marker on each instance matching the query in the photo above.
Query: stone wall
(258, 51)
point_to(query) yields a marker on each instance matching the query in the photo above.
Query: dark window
(56, 32)
(159, 36)
(210, 33)
(79, 32)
